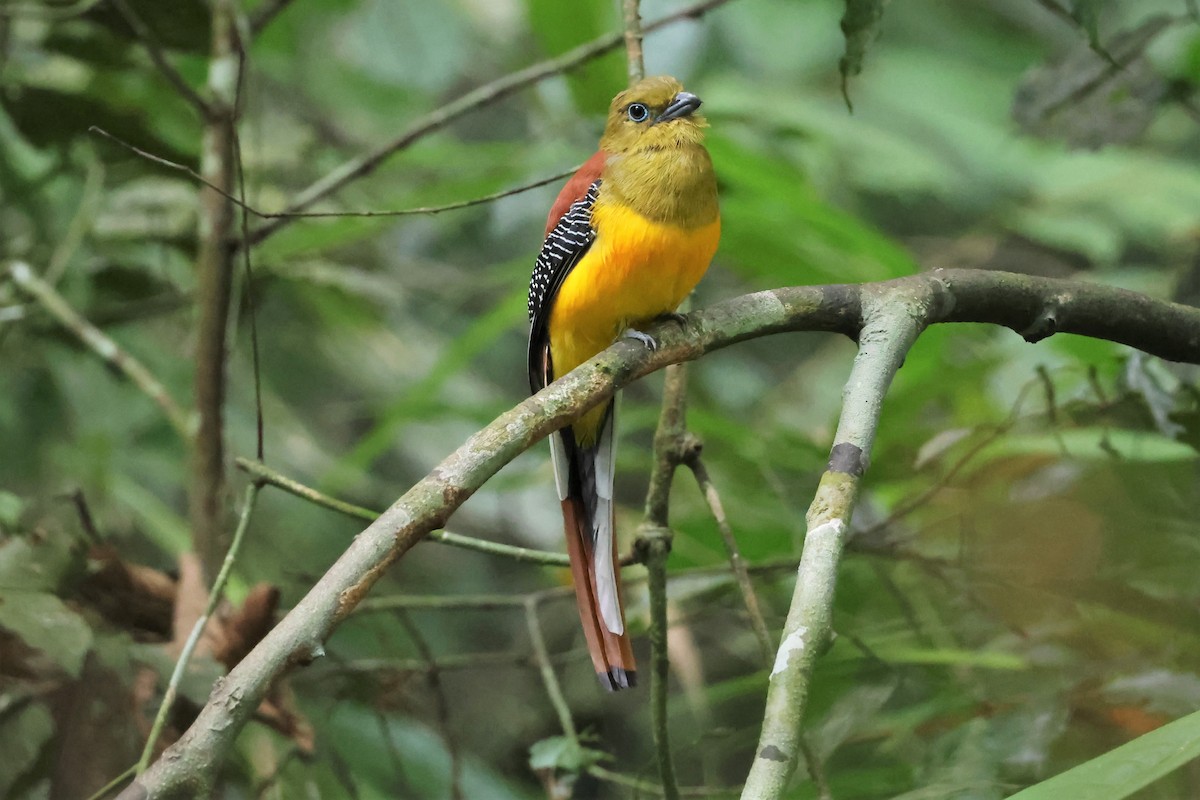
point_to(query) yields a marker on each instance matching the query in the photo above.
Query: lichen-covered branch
(889, 330)
(1020, 302)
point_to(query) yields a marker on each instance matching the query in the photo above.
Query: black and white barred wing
(566, 243)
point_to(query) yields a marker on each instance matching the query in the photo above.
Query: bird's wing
(575, 188)
(565, 245)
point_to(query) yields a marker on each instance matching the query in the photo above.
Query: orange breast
(635, 270)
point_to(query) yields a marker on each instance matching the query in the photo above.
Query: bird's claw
(673, 316)
(649, 341)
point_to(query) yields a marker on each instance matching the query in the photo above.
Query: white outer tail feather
(606, 580)
(558, 457)
(605, 459)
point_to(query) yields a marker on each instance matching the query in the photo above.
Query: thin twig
(1058, 11)
(658, 543)
(549, 679)
(441, 602)
(629, 782)
(265, 14)
(268, 475)
(668, 445)
(101, 344)
(267, 782)
(159, 57)
(403, 212)
(110, 787)
(93, 186)
(816, 770)
(633, 40)
(443, 705)
(252, 309)
(736, 562)
(654, 542)
(214, 598)
(471, 101)
(455, 661)
(909, 506)
(85, 516)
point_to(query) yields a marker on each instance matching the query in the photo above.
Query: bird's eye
(637, 112)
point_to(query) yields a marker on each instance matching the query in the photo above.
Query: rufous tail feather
(612, 655)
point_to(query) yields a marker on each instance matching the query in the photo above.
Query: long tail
(585, 480)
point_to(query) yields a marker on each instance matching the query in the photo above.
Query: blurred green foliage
(1033, 610)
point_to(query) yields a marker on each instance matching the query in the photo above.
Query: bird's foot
(645, 338)
(672, 316)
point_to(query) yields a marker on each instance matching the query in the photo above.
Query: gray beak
(682, 105)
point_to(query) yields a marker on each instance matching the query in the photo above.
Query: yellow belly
(635, 270)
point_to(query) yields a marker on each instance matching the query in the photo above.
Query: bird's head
(655, 113)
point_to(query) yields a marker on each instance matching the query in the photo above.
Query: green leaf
(11, 507)
(36, 564)
(561, 753)
(22, 736)
(559, 27)
(43, 621)
(1123, 771)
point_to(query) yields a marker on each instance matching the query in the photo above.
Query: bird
(628, 238)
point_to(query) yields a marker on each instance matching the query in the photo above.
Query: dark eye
(637, 112)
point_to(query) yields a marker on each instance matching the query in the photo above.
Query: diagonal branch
(896, 310)
(142, 31)
(103, 346)
(267, 475)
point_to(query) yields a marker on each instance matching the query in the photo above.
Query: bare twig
(657, 544)
(906, 508)
(214, 598)
(736, 562)
(110, 787)
(628, 782)
(93, 185)
(670, 444)
(671, 441)
(439, 694)
(265, 14)
(455, 661)
(471, 101)
(159, 57)
(101, 344)
(85, 516)
(248, 280)
(549, 679)
(403, 212)
(816, 770)
(633, 40)
(268, 475)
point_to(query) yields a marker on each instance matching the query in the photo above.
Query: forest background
(1019, 593)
